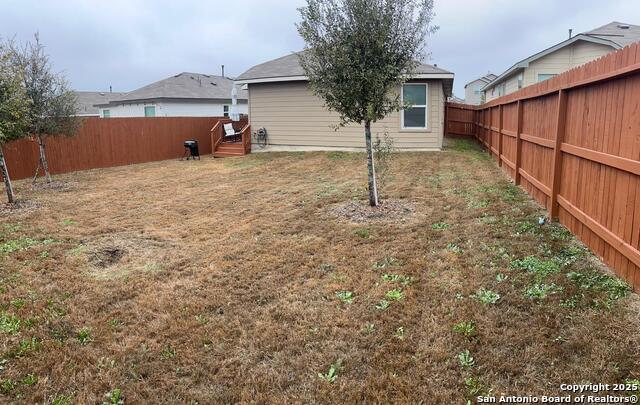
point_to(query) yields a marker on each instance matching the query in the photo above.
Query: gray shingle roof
(88, 99)
(622, 34)
(185, 86)
(289, 65)
(488, 78)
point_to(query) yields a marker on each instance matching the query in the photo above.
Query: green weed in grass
(475, 387)
(393, 278)
(364, 233)
(68, 222)
(607, 289)
(114, 397)
(29, 380)
(9, 323)
(387, 262)
(486, 296)
(15, 245)
(62, 400)
(399, 333)
(84, 336)
(168, 353)
(395, 294)
(465, 328)
(7, 386)
(466, 360)
(440, 226)
(541, 291)
(538, 267)
(345, 296)
(501, 277)
(452, 247)
(369, 328)
(331, 375)
(382, 305)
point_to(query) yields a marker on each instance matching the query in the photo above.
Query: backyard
(257, 280)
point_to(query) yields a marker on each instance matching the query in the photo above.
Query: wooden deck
(221, 148)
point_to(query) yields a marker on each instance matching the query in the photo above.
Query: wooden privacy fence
(459, 119)
(108, 142)
(573, 142)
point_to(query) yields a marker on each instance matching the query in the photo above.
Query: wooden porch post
(561, 121)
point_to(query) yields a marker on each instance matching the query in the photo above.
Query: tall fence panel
(108, 142)
(459, 119)
(573, 143)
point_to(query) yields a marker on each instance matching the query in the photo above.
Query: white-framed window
(545, 76)
(415, 116)
(106, 113)
(520, 80)
(150, 111)
(225, 111)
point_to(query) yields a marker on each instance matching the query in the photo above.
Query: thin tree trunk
(7, 180)
(43, 159)
(371, 171)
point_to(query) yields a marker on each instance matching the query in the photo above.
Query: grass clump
(84, 336)
(382, 305)
(394, 278)
(440, 226)
(486, 296)
(364, 233)
(387, 262)
(15, 245)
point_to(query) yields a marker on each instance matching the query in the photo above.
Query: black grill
(191, 148)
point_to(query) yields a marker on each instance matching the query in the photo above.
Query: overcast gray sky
(130, 43)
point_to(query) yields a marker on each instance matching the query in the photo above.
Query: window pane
(415, 117)
(545, 76)
(150, 111)
(106, 113)
(414, 94)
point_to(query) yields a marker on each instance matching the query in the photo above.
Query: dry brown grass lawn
(217, 282)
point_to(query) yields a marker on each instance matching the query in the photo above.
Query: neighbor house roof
(288, 68)
(88, 99)
(488, 78)
(615, 34)
(184, 86)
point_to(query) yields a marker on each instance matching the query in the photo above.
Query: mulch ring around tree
(362, 212)
(18, 207)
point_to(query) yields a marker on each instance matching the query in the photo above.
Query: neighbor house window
(520, 80)
(225, 109)
(414, 116)
(106, 113)
(150, 111)
(545, 76)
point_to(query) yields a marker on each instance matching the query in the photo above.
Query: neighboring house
(473, 93)
(88, 99)
(454, 99)
(561, 57)
(281, 101)
(182, 95)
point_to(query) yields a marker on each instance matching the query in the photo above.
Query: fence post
(561, 121)
(500, 135)
(518, 143)
(446, 119)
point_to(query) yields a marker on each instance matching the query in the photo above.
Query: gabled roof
(185, 86)
(88, 99)
(287, 68)
(615, 34)
(622, 34)
(488, 78)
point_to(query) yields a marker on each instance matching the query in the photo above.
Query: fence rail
(573, 143)
(108, 142)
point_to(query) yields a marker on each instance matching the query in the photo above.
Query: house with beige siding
(281, 101)
(563, 56)
(473, 93)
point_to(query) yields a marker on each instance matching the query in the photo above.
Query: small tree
(53, 106)
(358, 53)
(14, 108)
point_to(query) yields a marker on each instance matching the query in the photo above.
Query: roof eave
(305, 78)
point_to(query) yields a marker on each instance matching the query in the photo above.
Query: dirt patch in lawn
(20, 207)
(237, 281)
(362, 212)
(55, 185)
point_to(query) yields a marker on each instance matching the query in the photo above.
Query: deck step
(221, 154)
